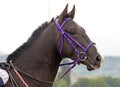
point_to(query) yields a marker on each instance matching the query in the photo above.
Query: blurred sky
(100, 18)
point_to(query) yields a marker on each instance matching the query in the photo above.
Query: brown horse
(40, 56)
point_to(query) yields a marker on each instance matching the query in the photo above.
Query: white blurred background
(100, 18)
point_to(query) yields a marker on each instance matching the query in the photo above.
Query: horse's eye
(71, 32)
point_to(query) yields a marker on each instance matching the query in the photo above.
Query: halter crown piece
(81, 55)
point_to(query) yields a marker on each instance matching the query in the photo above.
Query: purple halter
(81, 55)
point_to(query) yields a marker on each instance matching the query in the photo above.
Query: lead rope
(17, 73)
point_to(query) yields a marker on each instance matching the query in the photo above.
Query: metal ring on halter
(83, 55)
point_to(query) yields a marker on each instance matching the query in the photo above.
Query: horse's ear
(72, 13)
(62, 16)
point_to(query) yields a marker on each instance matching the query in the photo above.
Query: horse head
(74, 43)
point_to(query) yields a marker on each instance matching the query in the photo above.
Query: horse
(36, 62)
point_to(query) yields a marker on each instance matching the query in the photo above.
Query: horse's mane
(29, 42)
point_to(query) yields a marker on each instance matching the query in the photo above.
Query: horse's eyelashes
(72, 32)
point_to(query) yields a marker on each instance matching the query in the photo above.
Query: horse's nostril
(98, 58)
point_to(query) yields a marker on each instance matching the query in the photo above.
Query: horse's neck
(41, 59)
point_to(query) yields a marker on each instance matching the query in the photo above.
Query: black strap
(12, 80)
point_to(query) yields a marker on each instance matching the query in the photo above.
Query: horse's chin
(90, 66)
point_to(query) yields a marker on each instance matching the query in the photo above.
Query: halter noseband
(81, 55)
